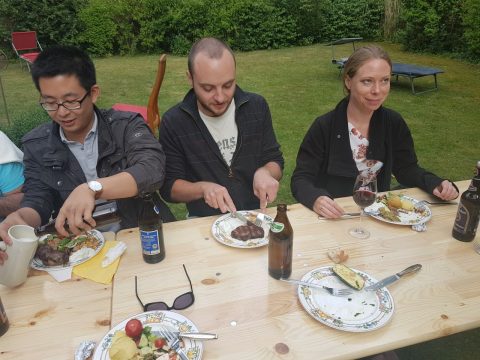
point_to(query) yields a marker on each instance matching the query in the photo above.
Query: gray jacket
(125, 143)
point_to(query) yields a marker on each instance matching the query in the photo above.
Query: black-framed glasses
(69, 105)
(181, 302)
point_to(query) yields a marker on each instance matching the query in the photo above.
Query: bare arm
(10, 201)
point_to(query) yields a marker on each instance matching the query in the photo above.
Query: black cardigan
(325, 164)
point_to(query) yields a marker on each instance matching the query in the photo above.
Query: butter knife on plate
(393, 278)
(196, 336)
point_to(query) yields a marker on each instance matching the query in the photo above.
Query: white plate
(223, 226)
(408, 218)
(38, 264)
(360, 312)
(155, 319)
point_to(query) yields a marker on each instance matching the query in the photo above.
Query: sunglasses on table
(181, 302)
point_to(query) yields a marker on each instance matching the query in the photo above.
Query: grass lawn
(299, 85)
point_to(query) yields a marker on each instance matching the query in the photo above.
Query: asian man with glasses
(85, 154)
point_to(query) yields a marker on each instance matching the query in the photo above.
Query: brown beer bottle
(280, 246)
(4, 324)
(151, 231)
(103, 214)
(468, 213)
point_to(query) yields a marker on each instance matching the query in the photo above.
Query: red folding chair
(26, 46)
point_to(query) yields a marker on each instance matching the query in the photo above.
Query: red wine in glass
(364, 193)
(364, 198)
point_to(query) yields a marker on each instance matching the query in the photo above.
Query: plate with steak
(231, 231)
(55, 252)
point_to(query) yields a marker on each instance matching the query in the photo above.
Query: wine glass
(364, 193)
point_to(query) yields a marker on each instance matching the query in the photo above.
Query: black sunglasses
(181, 302)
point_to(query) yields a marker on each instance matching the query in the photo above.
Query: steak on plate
(50, 256)
(247, 232)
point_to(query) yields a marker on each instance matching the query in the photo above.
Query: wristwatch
(96, 187)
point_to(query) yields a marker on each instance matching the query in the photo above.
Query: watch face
(95, 186)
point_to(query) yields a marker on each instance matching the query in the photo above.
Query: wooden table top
(48, 319)
(258, 317)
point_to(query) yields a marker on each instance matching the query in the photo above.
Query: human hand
(217, 197)
(12, 219)
(265, 187)
(328, 208)
(77, 211)
(445, 191)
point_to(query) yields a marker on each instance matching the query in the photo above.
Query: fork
(174, 342)
(333, 291)
(261, 218)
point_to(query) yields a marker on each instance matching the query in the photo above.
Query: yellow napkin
(93, 270)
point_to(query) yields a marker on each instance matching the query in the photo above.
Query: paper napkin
(61, 274)
(93, 270)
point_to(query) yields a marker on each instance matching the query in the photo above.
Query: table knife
(196, 336)
(393, 278)
(242, 217)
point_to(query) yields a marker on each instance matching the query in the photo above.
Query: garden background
(281, 54)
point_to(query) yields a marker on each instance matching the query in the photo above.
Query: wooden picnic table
(258, 317)
(254, 315)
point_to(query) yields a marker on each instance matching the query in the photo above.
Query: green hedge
(24, 122)
(441, 26)
(105, 27)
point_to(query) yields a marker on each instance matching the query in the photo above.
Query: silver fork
(333, 291)
(275, 226)
(174, 342)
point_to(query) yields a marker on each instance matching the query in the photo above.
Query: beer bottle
(468, 213)
(103, 214)
(280, 246)
(151, 231)
(4, 324)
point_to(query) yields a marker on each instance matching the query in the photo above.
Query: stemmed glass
(364, 193)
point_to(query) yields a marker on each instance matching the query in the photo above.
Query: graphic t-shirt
(359, 145)
(224, 131)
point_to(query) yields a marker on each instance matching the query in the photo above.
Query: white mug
(14, 271)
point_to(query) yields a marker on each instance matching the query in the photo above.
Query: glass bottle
(151, 231)
(103, 215)
(468, 213)
(280, 246)
(4, 324)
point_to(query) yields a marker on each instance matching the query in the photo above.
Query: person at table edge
(222, 153)
(85, 153)
(360, 135)
(11, 176)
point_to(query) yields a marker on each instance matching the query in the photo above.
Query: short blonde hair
(360, 57)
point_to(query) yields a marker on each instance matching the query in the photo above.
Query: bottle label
(462, 219)
(276, 227)
(150, 242)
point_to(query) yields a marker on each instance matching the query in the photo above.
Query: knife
(196, 336)
(393, 278)
(242, 217)
(347, 215)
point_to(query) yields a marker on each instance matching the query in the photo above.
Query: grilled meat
(50, 256)
(247, 232)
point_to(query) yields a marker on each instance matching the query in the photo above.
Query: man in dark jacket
(85, 155)
(222, 154)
